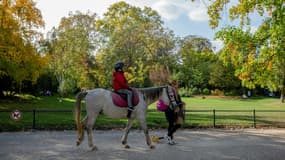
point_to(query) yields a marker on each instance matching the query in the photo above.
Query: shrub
(206, 91)
(185, 92)
(217, 92)
(236, 92)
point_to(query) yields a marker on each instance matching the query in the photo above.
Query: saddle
(120, 99)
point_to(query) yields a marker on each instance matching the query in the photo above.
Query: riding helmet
(119, 65)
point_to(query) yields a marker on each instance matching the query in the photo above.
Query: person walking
(171, 114)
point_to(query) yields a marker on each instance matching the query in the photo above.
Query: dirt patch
(206, 144)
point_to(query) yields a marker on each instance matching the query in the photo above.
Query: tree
(267, 64)
(19, 59)
(159, 75)
(196, 58)
(71, 52)
(240, 51)
(223, 76)
(135, 36)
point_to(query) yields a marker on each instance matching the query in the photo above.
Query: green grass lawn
(234, 103)
(200, 113)
(232, 112)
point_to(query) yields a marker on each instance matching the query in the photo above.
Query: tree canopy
(258, 57)
(135, 36)
(19, 60)
(71, 51)
(81, 52)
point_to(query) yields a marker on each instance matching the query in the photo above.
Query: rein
(171, 98)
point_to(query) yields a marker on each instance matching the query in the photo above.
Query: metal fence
(64, 119)
(37, 119)
(240, 118)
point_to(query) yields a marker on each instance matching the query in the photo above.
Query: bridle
(171, 96)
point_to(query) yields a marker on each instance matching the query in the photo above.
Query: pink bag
(161, 106)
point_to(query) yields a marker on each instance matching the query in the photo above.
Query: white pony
(100, 101)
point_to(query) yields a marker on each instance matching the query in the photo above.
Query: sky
(184, 17)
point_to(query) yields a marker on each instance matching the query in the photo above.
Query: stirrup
(131, 109)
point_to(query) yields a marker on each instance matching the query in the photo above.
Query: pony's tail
(79, 127)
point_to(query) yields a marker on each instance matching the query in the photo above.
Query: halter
(171, 96)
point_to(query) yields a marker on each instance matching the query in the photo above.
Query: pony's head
(168, 96)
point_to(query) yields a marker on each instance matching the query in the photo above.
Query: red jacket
(120, 81)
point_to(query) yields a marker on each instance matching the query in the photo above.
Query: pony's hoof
(127, 146)
(124, 142)
(94, 148)
(151, 146)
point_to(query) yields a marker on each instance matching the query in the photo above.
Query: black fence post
(254, 119)
(34, 119)
(214, 118)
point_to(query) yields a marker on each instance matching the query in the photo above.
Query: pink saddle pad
(119, 101)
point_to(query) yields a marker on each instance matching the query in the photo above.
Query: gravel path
(192, 144)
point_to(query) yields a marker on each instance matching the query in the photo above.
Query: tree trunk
(282, 95)
(1, 93)
(20, 87)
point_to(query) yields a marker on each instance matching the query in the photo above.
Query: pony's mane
(151, 94)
